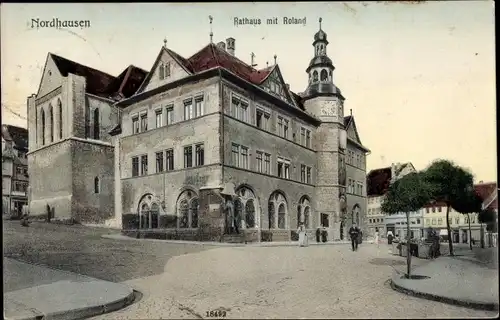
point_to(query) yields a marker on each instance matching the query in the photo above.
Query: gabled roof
(18, 136)
(378, 181)
(100, 83)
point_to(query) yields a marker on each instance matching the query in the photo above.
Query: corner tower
(324, 100)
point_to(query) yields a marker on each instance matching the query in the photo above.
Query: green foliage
(488, 217)
(468, 202)
(407, 194)
(449, 182)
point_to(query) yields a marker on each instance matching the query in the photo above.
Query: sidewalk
(224, 244)
(462, 281)
(33, 291)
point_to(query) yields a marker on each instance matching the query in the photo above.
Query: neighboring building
(166, 148)
(378, 181)
(14, 169)
(435, 215)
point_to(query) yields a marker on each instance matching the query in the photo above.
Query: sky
(419, 78)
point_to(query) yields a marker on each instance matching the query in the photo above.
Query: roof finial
(211, 33)
(320, 19)
(267, 64)
(165, 43)
(350, 110)
(275, 56)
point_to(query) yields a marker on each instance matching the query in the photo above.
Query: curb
(447, 300)
(83, 312)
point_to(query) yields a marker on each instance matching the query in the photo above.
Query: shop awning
(443, 232)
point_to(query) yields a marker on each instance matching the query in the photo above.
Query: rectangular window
(235, 155)
(285, 129)
(244, 157)
(188, 109)
(135, 166)
(287, 171)
(439, 209)
(302, 173)
(243, 113)
(262, 119)
(159, 161)
(239, 109)
(267, 163)
(167, 70)
(427, 221)
(259, 164)
(433, 209)
(308, 175)
(426, 210)
(144, 122)
(280, 169)
(303, 136)
(159, 118)
(200, 155)
(280, 126)
(283, 168)
(440, 221)
(144, 165)
(170, 115)
(433, 222)
(188, 157)
(199, 106)
(170, 159)
(235, 105)
(135, 125)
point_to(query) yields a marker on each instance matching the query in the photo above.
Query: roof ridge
(72, 61)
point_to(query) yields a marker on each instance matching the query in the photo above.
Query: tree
(467, 203)
(407, 194)
(448, 182)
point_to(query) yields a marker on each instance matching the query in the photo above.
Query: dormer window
(161, 71)
(164, 70)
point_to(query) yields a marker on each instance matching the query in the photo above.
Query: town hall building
(162, 149)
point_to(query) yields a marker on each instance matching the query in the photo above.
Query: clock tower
(324, 100)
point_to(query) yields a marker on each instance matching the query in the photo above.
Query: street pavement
(187, 281)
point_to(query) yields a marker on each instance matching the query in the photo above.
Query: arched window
(277, 202)
(149, 212)
(330, 73)
(96, 124)
(161, 69)
(96, 185)
(307, 215)
(59, 107)
(324, 75)
(315, 76)
(187, 210)
(43, 127)
(51, 123)
(245, 208)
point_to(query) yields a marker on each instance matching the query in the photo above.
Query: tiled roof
(100, 83)
(485, 191)
(212, 56)
(18, 136)
(378, 180)
(347, 119)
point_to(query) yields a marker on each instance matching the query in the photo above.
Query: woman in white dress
(302, 236)
(376, 237)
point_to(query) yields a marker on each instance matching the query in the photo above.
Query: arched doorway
(278, 204)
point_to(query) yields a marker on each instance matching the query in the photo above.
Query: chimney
(222, 45)
(230, 46)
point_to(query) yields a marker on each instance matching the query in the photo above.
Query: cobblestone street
(283, 282)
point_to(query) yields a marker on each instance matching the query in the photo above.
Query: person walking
(354, 233)
(377, 237)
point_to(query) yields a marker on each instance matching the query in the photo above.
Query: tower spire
(211, 33)
(320, 19)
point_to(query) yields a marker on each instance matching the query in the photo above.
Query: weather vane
(320, 19)
(211, 33)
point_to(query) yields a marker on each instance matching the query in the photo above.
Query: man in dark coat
(354, 232)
